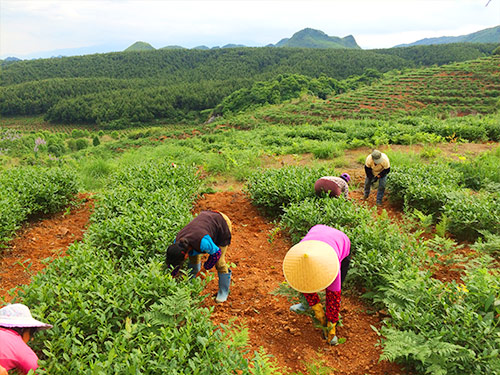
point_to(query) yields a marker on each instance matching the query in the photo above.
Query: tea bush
(481, 172)
(275, 188)
(112, 320)
(27, 191)
(114, 307)
(469, 214)
(375, 252)
(422, 186)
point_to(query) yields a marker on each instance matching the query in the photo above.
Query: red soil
(38, 243)
(289, 337)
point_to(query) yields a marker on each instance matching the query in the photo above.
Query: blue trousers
(381, 187)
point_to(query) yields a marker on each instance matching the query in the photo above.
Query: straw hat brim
(310, 266)
(22, 322)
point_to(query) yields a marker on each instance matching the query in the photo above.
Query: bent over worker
(208, 233)
(320, 261)
(377, 167)
(332, 185)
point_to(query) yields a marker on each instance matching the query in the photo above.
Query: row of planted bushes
(29, 191)
(114, 307)
(445, 190)
(436, 327)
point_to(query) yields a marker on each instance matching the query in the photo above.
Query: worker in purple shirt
(208, 233)
(333, 186)
(320, 261)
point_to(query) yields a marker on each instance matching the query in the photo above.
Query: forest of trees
(115, 89)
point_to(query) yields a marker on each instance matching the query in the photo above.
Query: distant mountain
(491, 35)
(201, 47)
(173, 47)
(311, 38)
(233, 46)
(140, 46)
(9, 60)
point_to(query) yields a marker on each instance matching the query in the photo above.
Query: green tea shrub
(81, 143)
(423, 187)
(114, 307)
(275, 188)
(40, 190)
(470, 213)
(12, 215)
(111, 320)
(148, 204)
(145, 224)
(479, 172)
(27, 191)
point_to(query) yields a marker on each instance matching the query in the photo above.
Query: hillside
(491, 35)
(140, 46)
(311, 38)
(119, 90)
(453, 90)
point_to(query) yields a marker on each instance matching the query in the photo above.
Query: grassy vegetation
(111, 295)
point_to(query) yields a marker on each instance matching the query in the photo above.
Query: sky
(43, 28)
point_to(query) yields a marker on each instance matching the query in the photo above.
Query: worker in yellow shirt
(377, 167)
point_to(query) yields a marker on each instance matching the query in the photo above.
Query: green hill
(491, 35)
(172, 47)
(140, 46)
(182, 85)
(471, 87)
(311, 38)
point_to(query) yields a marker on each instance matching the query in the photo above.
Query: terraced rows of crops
(458, 89)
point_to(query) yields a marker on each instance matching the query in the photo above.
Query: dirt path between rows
(39, 242)
(290, 338)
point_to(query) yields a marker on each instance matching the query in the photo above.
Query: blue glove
(212, 260)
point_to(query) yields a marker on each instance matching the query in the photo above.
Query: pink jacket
(14, 353)
(337, 239)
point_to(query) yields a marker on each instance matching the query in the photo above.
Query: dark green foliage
(185, 66)
(81, 143)
(179, 85)
(423, 187)
(29, 191)
(275, 188)
(441, 54)
(39, 96)
(282, 88)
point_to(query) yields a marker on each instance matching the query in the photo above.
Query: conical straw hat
(310, 266)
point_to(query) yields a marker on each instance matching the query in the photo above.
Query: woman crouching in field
(320, 260)
(208, 233)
